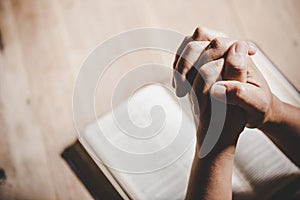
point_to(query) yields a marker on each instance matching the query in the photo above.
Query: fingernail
(219, 89)
(252, 46)
(241, 48)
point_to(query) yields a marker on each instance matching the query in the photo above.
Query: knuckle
(192, 46)
(214, 44)
(208, 70)
(197, 33)
(240, 91)
(237, 68)
(236, 65)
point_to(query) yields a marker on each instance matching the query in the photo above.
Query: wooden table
(44, 42)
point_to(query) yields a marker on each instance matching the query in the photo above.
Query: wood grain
(44, 42)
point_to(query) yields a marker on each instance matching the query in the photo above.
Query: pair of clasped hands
(208, 67)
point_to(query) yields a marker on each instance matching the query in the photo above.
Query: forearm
(284, 129)
(211, 176)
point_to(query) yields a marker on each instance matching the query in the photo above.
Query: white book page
(265, 168)
(170, 181)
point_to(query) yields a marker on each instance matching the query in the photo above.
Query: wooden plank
(35, 150)
(19, 119)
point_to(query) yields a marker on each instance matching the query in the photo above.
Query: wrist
(275, 113)
(224, 146)
(226, 153)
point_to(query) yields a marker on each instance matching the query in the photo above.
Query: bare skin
(203, 59)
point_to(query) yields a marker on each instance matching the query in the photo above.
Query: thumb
(235, 62)
(235, 93)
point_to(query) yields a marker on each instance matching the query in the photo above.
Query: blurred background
(43, 43)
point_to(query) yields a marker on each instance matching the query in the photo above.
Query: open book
(260, 169)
